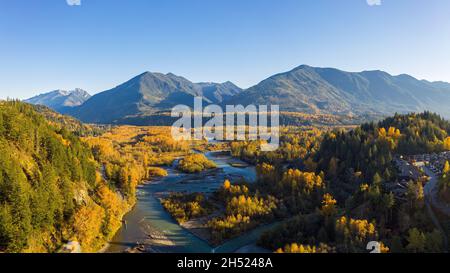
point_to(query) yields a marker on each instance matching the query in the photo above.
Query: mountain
(147, 98)
(332, 91)
(60, 100)
(219, 92)
(148, 94)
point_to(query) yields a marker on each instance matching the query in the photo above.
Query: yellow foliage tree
(355, 229)
(446, 169)
(391, 131)
(447, 143)
(303, 249)
(304, 181)
(328, 205)
(114, 207)
(87, 225)
(227, 184)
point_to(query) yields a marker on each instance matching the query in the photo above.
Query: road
(431, 191)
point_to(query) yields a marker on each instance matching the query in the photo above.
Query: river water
(149, 216)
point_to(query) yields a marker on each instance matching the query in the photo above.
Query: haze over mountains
(304, 89)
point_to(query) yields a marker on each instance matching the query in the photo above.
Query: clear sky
(47, 44)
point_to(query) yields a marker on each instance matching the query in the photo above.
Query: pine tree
(377, 179)
(416, 241)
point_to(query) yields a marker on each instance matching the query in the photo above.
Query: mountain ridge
(305, 89)
(149, 93)
(333, 91)
(60, 100)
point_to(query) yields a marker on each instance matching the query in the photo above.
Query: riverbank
(107, 244)
(244, 243)
(199, 227)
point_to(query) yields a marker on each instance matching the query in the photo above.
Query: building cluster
(407, 170)
(407, 173)
(410, 169)
(435, 162)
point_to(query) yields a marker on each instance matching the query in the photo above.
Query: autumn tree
(227, 184)
(447, 143)
(328, 205)
(87, 226)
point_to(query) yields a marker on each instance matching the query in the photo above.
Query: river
(149, 216)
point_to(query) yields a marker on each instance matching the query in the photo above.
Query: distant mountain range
(61, 100)
(332, 91)
(304, 89)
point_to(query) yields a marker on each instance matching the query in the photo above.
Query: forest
(327, 188)
(61, 181)
(48, 184)
(356, 207)
(184, 207)
(244, 209)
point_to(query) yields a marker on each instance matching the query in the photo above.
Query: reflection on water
(149, 216)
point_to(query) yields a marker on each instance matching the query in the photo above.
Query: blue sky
(47, 44)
